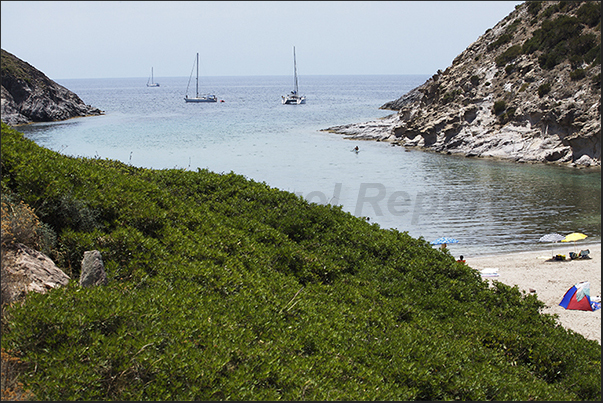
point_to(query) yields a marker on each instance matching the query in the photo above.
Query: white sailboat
(293, 98)
(197, 98)
(150, 82)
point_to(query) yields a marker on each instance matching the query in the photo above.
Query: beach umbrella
(551, 238)
(444, 241)
(573, 237)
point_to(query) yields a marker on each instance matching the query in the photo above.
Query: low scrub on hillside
(222, 288)
(559, 38)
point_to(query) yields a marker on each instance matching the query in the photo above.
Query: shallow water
(488, 206)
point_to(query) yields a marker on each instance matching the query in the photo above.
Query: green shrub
(578, 74)
(544, 89)
(549, 11)
(508, 55)
(499, 107)
(560, 39)
(449, 96)
(224, 288)
(509, 68)
(501, 40)
(534, 7)
(589, 13)
(507, 116)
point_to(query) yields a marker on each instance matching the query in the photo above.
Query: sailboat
(293, 98)
(197, 98)
(150, 82)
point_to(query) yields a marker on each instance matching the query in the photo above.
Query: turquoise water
(489, 206)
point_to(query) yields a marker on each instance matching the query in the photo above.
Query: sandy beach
(551, 279)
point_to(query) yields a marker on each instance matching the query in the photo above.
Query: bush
(19, 224)
(504, 38)
(534, 7)
(509, 68)
(499, 107)
(508, 55)
(507, 116)
(449, 96)
(560, 39)
(577, 74)
(589, 13)
(224, 288)
(544, 89)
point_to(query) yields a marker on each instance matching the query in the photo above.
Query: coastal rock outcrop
(29, 96)
(527, 90)
(25, 269)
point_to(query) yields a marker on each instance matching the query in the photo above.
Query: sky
(113, 39)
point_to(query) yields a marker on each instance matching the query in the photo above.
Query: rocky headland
(29, 96)
(527, 90)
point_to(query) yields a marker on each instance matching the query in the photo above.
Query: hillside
(29, 96)
(529, 90)
(222, 288)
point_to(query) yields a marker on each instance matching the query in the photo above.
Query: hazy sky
(105, 39)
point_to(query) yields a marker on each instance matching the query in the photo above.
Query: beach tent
(578, 298)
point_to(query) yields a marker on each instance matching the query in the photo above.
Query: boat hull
(293, 100)
(201, 99)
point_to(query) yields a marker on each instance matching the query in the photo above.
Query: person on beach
(461, 260)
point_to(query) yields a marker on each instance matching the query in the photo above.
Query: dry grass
(11, 387)
(19, 224)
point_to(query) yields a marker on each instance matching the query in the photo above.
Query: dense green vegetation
(560, 36)
(224, 288)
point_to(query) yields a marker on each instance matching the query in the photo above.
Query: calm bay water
(489, 206)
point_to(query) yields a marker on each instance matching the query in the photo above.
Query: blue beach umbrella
(444, 241)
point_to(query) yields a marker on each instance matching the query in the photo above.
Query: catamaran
(197, 98)
(150, 82)
(293, 98)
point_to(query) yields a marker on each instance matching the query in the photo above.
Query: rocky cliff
(528, 90)
(29, 96)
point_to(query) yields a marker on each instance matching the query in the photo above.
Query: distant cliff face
(529, 90)
(29, 96)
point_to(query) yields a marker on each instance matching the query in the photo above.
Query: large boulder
(93, 269)
(25, 269)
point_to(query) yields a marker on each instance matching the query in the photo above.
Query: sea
(489, 207)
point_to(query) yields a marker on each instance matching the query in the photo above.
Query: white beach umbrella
(553, 237)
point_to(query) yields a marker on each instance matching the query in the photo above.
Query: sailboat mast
(294, 71)
(197, 83)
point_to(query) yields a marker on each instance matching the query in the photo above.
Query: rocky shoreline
(29, 96)
(499, 101)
